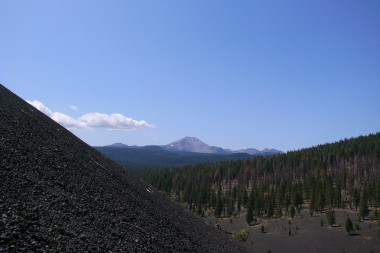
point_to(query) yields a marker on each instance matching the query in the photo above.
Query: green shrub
(330, 216)
(349, 226)
(241, 235)
(356, 226)
(262, 228)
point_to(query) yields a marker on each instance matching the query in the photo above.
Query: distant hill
(253, 151)
(121, 145)
(60, 195)
(149, 158)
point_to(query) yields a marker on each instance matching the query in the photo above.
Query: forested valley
(343, 174)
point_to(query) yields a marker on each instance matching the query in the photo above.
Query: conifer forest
(343, 174)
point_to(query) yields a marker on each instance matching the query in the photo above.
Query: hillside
(59, 194)
(334, 175)
(288, 196)
(148, 158)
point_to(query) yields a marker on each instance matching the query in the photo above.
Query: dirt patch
(306, 234)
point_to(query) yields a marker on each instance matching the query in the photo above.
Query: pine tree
(329, 191)
(212, 202)
(330, 216)
(349, 225)
(219, 203)
(377, 194)
(292, 211)
(278, 211)
(250, 205)
(355, 198)
(337, 195)
(239, 203)
(363, 207)
(269, 207)
(244, 197)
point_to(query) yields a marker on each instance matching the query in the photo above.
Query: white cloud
(74, 107)
(41, 107)
(113, 121)
(116, 122)
(68, 122)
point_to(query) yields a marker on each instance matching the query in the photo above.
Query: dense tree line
(344, 174)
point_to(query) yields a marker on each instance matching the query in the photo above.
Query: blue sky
(236, 74)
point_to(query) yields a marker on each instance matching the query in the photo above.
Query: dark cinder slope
(59, 194)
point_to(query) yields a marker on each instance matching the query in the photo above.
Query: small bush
(262, 228)
(321, 223)
(349, 226)
(241, 235)
(330, 215)
(356, 226)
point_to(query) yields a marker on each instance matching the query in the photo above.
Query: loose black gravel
(57, 194)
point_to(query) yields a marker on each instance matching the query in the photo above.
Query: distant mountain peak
(193, 144)
(118, 145)
(189, 139)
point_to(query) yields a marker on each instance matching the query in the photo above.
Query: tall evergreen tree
(250, 205)
(363, 207)
(219, 203)
(355, 198)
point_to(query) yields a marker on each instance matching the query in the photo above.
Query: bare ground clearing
(307, 234)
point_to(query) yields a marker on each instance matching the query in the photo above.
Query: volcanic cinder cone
(59, 194)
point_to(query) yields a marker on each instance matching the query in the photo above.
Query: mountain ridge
(193, 144)
(148, 158)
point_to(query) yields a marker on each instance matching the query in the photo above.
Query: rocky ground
(59, 194)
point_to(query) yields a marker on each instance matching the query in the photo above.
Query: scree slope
(59, 194)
